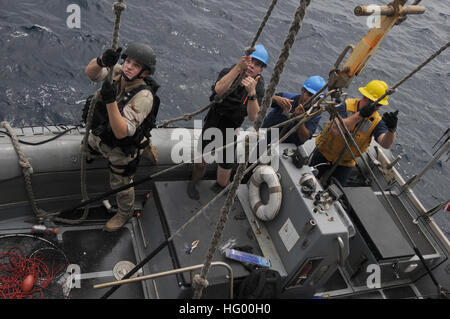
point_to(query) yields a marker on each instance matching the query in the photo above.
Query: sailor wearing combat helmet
(122, 120)
(329, 144)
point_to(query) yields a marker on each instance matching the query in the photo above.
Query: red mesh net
(24, 277)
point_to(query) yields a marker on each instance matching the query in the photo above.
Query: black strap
(129, 169)
(92, 150)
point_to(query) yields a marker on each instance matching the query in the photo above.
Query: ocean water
(42, 60)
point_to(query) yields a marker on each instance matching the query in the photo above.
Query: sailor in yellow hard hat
(329, 144)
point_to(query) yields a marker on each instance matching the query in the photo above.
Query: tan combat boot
(116, 222)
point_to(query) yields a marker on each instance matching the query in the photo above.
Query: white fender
(265, 174)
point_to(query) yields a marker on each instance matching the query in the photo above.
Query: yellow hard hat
(374, 90)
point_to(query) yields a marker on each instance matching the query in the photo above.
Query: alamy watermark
(224, 149)
(374, 20)
(374, 279)
(74, 19)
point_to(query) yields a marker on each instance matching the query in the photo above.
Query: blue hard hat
(261, 54)
(314, 84)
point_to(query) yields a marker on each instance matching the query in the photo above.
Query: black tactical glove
(108, 93)
(109, 58)
(367, 110)
(390, 118)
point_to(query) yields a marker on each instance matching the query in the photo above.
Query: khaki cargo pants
(125, 198)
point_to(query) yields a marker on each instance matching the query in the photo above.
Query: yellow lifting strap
(389, 15)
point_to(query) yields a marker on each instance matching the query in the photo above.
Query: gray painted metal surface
(308, 258)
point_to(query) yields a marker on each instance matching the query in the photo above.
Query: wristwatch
(100, 62)
(252, 97)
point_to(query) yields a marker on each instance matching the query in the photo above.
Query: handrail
(170, 272)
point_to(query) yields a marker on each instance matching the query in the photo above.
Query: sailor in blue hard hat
(230, 113)
(285, 102)
(261, 55)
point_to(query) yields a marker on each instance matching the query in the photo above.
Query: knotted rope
(27, 170)
(267, 100)
(118, 8)
(303, 118)
(263, 23)
(439, 51)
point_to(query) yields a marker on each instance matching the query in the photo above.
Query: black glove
(367, 110)
(390, 118)
(108, 92)
(110, 57)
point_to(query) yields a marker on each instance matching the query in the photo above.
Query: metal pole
(170, 272)
(387, 10)
(432, 211)
(416, 178)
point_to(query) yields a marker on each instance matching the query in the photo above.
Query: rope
(118, 8)
(58, 135)
(219, 98)
(346, 148)
(200, 281)
(263, 23)
(27, 170)
(229, 201)
(439, 51)
(309, 102)
(305, 118)
(411, 240)
(347, 136)
(288, 43)
(389, 91)
(420, 66)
